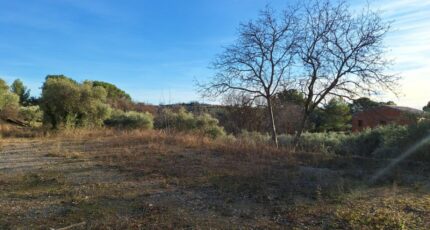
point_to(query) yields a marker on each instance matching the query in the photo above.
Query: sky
(157, 50)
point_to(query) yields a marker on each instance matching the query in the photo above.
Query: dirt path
(56, 183)
(41, 181)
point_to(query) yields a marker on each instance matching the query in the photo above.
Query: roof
(395, 107)
(404, 109)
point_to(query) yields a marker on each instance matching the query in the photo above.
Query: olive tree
(258, 63)
(67, 103)
(9, 102)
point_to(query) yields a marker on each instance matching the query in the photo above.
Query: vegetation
(384, 142)
(427, 107)
(335, 52)
(86, 155)
(256, 64)
(116, 97)
(33, 115)
(19, 89)
(66, 103)
(9, 102)
(335, 116)
(184, 121)
(130, 120)
(364, 103)
(113, 92)
(138, 179)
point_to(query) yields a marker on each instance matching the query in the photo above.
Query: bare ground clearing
(152, 181)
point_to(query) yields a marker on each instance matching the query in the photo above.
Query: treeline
(238, 113)
(67, 104)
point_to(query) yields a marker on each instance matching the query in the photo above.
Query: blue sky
(155, 50)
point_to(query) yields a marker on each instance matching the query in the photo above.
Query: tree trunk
(301, 129)
(272, 121)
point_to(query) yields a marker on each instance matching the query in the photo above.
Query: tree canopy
(9, 102)
(293, 96)
(335, 116)
(113, 92)
(427, 107)
(21, 90)
(68, 103)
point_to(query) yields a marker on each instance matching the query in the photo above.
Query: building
(384, 115)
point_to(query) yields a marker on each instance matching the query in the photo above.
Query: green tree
(362, 103)
(365, 103)
(9, 102)
(388, 103)
(335, 116)
(427, 107)
(113, 92)
(291, 96)
(68, 103)
(116, 97)
(21, 90)
(3, 85)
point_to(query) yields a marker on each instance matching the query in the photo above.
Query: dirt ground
(152, 182)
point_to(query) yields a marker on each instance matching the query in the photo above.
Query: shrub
(382, 142)
(185, 121)
(314, 142)
(180, 120)
(254, 137)
(33, 115)
(130, 120)
(368, 142)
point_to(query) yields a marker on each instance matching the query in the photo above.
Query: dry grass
(152, 179)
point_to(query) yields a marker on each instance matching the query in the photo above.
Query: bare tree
(342, 54)
(259, 61)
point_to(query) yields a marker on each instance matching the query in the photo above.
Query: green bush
(33, 115)
(130, 120)
(315, 142)
(374, 142)
(383, 142)
(185, 121)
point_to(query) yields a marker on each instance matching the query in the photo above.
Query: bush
(185, 121)
(383, 142)
(373, 142)
(254, 137)
(315, 142)
(130, 120)
(33, 115)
